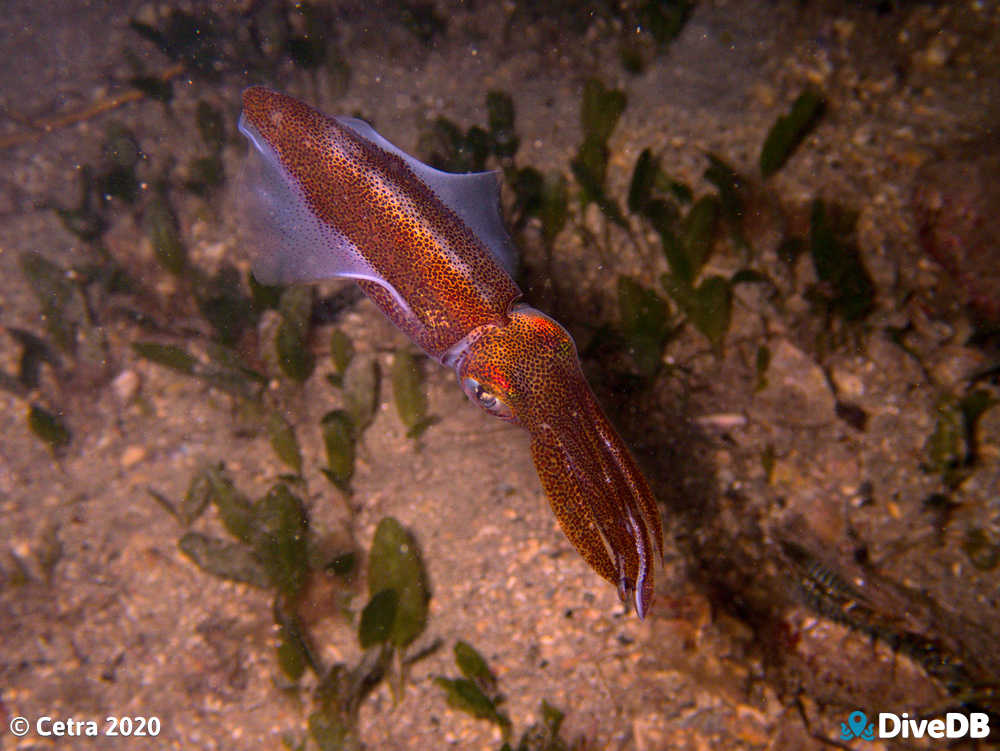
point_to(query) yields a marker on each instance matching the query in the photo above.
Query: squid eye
(485, 398)
(491, 402)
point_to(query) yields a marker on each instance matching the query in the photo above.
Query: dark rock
(956, 202)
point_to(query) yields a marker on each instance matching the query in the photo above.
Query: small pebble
(797, 392)
(849, 385)
(126, 386)
(722, 420)
(132, 456)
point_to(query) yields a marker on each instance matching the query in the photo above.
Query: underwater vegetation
(691, 229)
(247, 337)
(477, 693)
(313, 573)
(275, 547)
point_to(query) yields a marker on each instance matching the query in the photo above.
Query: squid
(327, 197)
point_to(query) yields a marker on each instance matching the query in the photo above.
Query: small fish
(329, 197)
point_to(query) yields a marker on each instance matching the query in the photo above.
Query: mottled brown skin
(513, 361)
(449, 280)
(527, 371)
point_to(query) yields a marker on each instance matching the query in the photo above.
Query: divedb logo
(890, 725)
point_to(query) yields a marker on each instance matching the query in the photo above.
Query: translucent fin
(474, 196)
(291, 244)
